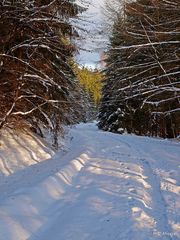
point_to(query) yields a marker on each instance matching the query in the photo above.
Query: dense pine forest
(91, 81)
(137, 90)
(141, 86)
(38, 87)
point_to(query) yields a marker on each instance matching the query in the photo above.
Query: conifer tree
(141, 90)
(91, 81)
(37, 85)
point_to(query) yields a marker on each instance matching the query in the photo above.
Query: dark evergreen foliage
(141, 88)
(37, 85)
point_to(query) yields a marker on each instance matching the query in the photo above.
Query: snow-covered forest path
(104, 187)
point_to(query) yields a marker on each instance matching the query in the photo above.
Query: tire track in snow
(95, 191)
(159, 205)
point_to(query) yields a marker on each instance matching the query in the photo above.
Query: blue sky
(94, 40)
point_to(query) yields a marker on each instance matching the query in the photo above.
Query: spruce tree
(37, 85)
(141, 89)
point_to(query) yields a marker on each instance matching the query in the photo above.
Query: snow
(18, 150)
(101, 186)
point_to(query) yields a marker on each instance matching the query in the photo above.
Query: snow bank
(19, 149)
